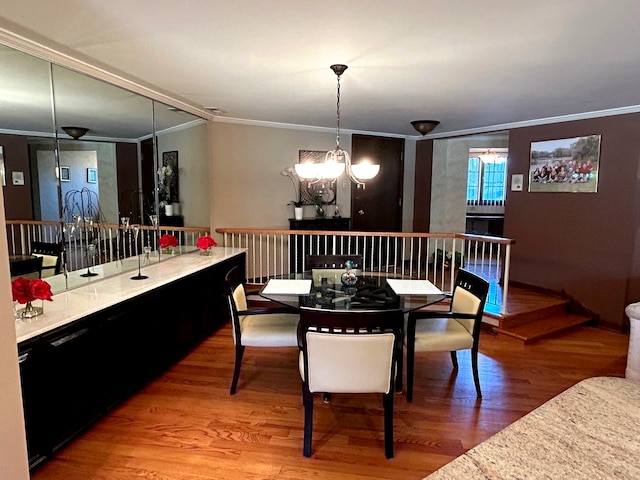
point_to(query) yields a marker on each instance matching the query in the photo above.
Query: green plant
(440, 256)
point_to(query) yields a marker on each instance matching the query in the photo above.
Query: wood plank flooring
(186, 426)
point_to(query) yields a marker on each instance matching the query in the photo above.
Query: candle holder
(136, 231)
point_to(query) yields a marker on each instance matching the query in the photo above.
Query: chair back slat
(469, 296)
(332, 261)
(51, 254)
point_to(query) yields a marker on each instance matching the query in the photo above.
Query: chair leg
(307, 400)
(387, 401)
(410, 361)
(399, 369)
(454, 359)
(236, 368)
(474, 366)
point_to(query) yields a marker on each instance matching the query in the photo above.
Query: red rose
(41, 290)
(21, 289)
(168, 240)
(206, 242)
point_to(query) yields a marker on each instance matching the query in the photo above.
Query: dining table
(371, 291)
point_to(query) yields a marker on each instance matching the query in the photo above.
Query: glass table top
(371, 292)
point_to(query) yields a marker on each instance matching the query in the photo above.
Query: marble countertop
(99, 293)
(589, 431)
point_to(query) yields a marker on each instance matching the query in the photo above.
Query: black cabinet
(334, 223)
(172, 221)
(73, 375)
(492, 225)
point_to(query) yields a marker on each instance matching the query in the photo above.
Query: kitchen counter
(98, 293)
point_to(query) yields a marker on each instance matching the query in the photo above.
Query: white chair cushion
(240, 298)
(441, 335)
(270, 330)
(48, 264)
(465, 302)
(349, 363)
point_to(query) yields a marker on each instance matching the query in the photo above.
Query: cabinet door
(72, 382)
(34, 402)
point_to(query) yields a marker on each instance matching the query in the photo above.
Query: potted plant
(297, 209)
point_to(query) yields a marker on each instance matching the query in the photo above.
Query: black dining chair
(30, 268)
(332, 261)
(51, 254)
(256, 327)
(347, 352)
(449, 331)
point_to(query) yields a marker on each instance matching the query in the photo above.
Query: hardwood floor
(186, 426)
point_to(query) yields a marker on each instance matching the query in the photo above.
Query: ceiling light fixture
(75, 132)
(336, 161)
(425, 126)
(491, 156)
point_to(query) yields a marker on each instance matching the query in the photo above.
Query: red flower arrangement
(206, 242)
(26, 291)
(168, 240)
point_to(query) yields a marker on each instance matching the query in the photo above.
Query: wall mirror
(89, 153)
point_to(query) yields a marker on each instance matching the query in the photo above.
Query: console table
(97, 344)
(328, 223)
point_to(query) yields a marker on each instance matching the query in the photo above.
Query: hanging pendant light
(336, 161)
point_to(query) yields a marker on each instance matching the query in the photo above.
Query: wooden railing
(431, 256)
(100, 243)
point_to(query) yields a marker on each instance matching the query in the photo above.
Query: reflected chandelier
(338, 160)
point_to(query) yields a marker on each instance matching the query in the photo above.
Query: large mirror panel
(183, 181)
(26, 126)
(100, 128)
(85, 156)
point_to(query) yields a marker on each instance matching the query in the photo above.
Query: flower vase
(349, 277)
(297, 212)
(29, 311)
(206, 251)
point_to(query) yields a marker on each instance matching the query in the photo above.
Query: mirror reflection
(90, 160)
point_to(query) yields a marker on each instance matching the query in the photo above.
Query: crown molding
(535, 122)
(308, 128)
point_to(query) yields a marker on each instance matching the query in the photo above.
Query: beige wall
(192, 145)
(13, 447)
(248, 189)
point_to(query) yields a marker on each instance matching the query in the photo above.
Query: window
(486, 177)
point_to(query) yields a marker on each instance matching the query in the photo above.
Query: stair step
(551, 306)
(544, 327)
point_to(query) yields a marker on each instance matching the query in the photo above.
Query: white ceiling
(472, 65)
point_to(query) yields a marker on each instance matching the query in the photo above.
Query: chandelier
(337, 161)
(492, 156)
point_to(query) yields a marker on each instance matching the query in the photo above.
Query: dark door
(378, 207)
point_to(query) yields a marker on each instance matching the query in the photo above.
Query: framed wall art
(65, 174)
(565, 165)
(323, 190)
(170, 159)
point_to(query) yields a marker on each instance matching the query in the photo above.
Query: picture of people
(566, 165)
